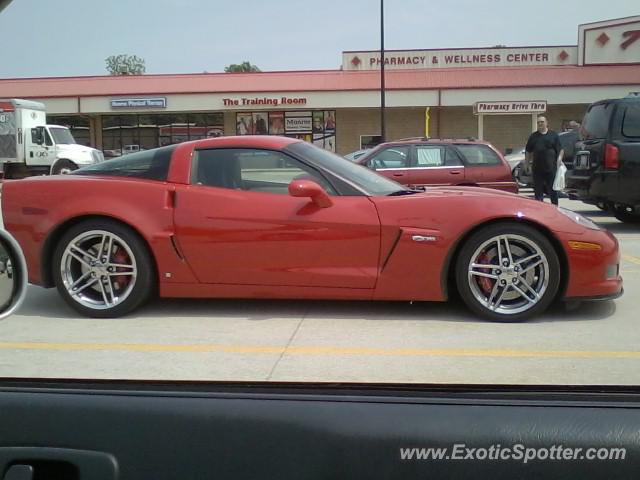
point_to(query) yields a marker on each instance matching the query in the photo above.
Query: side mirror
(13, 275)
(310, 189)
(37, 135)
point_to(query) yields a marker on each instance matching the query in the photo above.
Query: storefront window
(130, 137)
(148, 131)
(369, 141)
(130, 133)
(163, 124)
(179, 128)
(317, 127)
(111, 144)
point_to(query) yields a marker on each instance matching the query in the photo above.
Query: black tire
(144, 283)
(476, 240)
(63, 166)
(517, 171)
(626, 217)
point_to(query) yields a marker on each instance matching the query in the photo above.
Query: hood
(74, 147)
(470, 191)
(438, 207)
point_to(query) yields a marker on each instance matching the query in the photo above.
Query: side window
(631, 121)
(47, 138)
(478, 155)
(429, 156)
(595, 124)
(250, 169)
(452, 159)
(392, 157)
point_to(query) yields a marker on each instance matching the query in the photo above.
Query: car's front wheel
(518, 173)
(508, 272)
(103, 269)
(64, 167)
(625, 216)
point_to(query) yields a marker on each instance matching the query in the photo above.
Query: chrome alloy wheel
(508, 274)
(98, 269)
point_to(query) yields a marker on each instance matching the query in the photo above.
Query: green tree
(244, 67)
(125, 65)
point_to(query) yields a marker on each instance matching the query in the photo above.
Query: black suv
(606, 170)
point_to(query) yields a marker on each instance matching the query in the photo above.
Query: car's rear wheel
(508, 272)
(103, 269)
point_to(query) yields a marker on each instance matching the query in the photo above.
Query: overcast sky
(73, 37)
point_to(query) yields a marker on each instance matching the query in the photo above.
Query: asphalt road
(597, 343)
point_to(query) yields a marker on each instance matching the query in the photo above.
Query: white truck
(28, 146)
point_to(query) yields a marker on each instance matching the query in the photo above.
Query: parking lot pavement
(247, 340)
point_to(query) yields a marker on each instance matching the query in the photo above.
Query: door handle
(26, 463)
(398, 174)
(455, 172)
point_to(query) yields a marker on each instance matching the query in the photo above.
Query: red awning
(324, 80)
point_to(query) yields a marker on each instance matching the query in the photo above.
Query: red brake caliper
(485, 283)
(121, 257)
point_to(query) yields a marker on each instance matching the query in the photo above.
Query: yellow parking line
(311, 350)
(631, 258)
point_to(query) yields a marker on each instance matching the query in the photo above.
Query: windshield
(207, 227)
(363, 178)
(62, 136)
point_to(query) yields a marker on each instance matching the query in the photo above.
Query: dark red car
(273, 217)
(441, 162)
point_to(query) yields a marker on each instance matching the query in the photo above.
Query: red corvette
(272, 217)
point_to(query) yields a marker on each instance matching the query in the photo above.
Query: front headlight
(579, 219)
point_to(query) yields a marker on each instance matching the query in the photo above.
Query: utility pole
(383, 133)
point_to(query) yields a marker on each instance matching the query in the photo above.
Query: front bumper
(590, 270)
(597, 298)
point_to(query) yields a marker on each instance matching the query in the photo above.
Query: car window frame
(613, 114)
(453, 152)
(415, 148)
(334, 192)
(636, 106)
(470, 164)
(410, 157)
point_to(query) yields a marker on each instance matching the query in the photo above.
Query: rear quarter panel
(34, 208)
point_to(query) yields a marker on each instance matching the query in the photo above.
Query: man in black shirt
(543, 147)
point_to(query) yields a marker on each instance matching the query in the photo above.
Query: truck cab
(28, 146)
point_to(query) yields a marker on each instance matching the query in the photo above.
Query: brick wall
(400, 122)
(457, 122)
(503, 131)
(507, 131)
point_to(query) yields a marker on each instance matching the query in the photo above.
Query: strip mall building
(489, 93)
